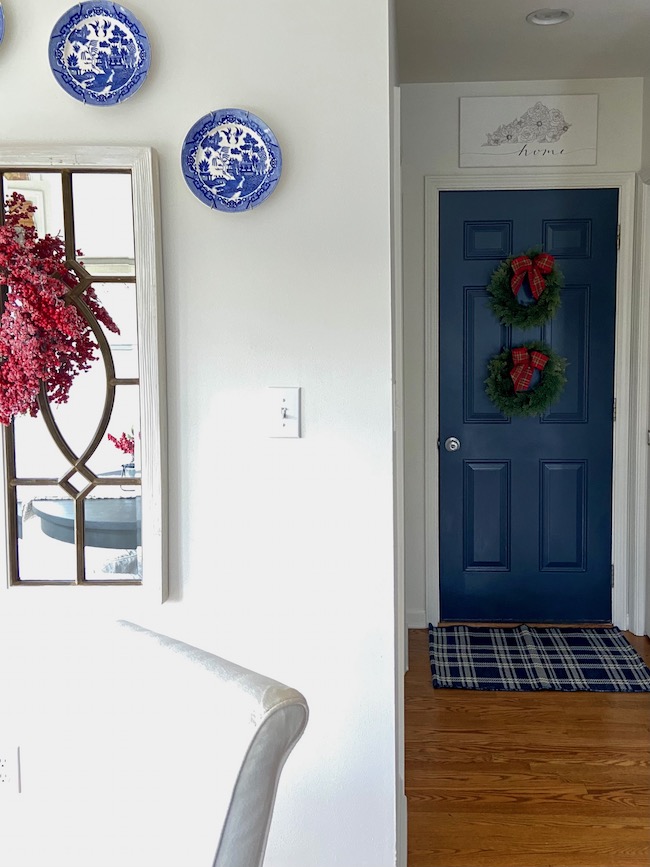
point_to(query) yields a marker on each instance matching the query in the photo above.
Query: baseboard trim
(510, 624)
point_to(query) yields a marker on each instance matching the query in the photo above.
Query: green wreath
(504, 301)
(500, 388)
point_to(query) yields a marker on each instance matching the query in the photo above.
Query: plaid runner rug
(524, 658)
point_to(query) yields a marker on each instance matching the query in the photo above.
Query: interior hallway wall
(281, 551)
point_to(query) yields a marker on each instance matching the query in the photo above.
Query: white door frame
(401, 633)
(628, 497)
(640, 433)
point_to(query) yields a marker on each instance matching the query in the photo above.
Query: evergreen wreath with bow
(545, 281)
(510, 374)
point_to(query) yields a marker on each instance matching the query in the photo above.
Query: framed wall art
(528, 130)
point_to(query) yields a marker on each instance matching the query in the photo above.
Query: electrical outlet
(9, 769)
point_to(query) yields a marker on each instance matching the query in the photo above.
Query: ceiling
(490, 40)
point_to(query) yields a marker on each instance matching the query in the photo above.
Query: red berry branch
(43, 338)
(125, 442)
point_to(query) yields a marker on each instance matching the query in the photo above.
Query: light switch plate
(283, 411)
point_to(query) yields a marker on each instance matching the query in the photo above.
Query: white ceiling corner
(490, 40)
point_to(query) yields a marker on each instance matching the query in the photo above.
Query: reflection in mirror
(74, 482)
(37, 188)
(103, 222)
(42, 556)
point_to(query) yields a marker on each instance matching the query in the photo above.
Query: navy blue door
(525, 503)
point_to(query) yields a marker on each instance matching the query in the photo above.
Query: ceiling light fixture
(549, 16)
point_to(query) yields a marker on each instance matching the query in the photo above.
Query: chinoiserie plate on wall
(231, 160)
(2, 23)
(99, 53)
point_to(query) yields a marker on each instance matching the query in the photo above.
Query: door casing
(626, 495)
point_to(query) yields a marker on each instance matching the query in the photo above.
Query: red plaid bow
(525, 363)
(535, 268)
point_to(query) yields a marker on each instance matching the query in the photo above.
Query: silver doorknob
(452, 444)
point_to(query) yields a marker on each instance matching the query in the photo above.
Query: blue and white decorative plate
(99, 53)
(231, 160)
(2, 23)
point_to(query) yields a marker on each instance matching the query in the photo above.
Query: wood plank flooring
(525, 779)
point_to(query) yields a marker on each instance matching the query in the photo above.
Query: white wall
(430, 147)
(281, 551)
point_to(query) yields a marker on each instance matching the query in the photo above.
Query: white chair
(258, 719)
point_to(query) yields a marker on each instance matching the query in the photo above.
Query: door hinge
(614, 410)
(618, 237)
(612, 574)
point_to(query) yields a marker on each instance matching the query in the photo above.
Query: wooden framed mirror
(83, 482)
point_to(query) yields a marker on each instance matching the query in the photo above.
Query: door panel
(487, 516)
(525, 504)
(563, 540)
(570, 330)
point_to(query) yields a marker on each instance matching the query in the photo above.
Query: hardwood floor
(525, 779)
